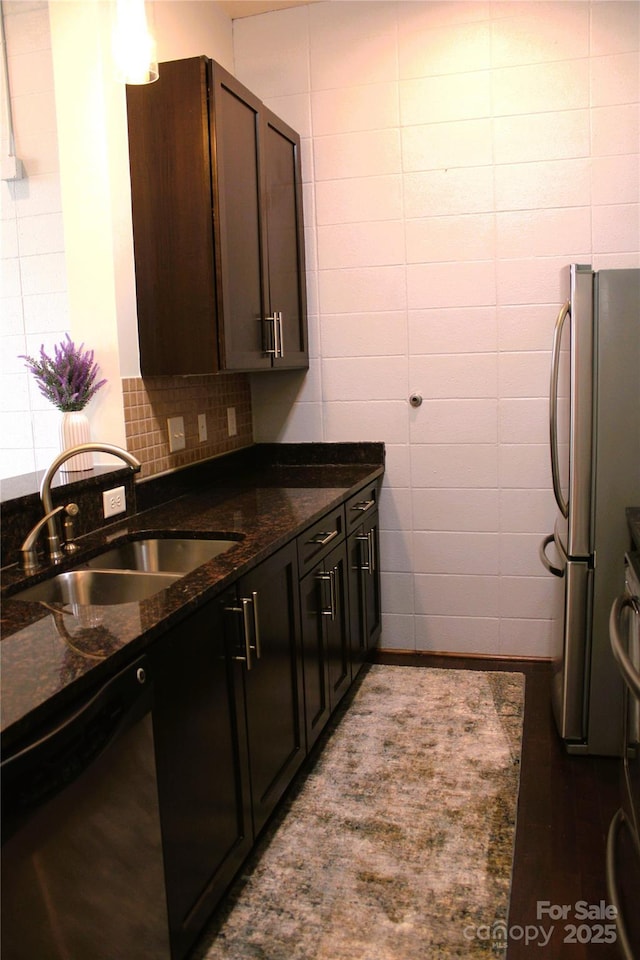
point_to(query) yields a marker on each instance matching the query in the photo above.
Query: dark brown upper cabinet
(218, 234)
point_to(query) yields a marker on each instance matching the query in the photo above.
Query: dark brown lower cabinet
(324, 604)
(267, 612)
(364, 588)
(203, 770)
(238, 684)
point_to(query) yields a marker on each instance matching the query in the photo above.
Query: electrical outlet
(175, 426)
(202, 427)
(114, 501)
(231, 421)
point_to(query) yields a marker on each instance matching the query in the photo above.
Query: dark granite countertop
(51, 657)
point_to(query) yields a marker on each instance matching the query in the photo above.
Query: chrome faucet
(50, 514)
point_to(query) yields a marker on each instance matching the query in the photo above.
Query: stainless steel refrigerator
(594, 409)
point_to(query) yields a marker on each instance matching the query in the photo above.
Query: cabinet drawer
(361, 504)
(317, 540)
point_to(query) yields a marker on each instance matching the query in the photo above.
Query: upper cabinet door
(240, 264)
(217, 222)
(285, 241)
(171, 200)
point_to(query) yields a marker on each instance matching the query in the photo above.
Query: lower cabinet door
(325, 640)
(372, 582)
(268, 604)
(364, 589)
(203, 773)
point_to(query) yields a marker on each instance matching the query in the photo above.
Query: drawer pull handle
(321, 539)
(363, 505)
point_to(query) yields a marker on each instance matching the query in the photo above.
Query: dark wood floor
(565, 806)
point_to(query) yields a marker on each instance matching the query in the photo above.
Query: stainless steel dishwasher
(82, 868)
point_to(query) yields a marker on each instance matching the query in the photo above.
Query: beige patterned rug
(399, 843)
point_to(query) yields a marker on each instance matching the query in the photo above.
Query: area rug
(398, 844)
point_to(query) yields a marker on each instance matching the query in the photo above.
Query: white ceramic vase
(74, 429)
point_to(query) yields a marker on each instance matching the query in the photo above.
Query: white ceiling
(249, 8)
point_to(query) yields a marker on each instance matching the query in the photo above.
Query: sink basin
(161, 554)
(82, 587)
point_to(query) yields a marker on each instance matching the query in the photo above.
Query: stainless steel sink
(98, 587)
(161, 554)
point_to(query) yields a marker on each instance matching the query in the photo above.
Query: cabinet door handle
(372, 551)
(246, 629)
(366, 564)
(274, 335)
(321, 539)
(256, 622)
(363, 505)
(277, 338)
(329, 578)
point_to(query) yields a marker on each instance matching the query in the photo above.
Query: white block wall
(33, 282)
(456, 156)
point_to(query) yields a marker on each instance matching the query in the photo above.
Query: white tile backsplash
(540, 88)
(460, 238)
(616, 179)
(347, 201)
(614, 79)
(451, 595)
(541, 136)
(427, 48)
(442, 193)
(616, 229)
(539, 33)
(455, 376)
(432, 146)
(345, 110)
(381, 378)
(379, 334)
(461, 96)
(451, 509)
(362, 288)
(543, 232)
(446, 465)
(454, 421)
(615, 129)
(453, 330)
(470, 283)
(367, 153)
(615, 26)
(377, 243)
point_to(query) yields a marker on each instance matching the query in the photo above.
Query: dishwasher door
(82, 868)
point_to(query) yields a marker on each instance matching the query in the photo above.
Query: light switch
(175, 426)
(231, 421)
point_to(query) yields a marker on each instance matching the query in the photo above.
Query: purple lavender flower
(68, 379)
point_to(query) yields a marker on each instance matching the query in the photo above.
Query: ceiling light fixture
(134, 47)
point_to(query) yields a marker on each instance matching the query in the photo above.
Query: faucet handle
(71, 510)
(29, 551)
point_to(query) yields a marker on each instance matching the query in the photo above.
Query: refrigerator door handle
(556, 571)
(553, 409)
